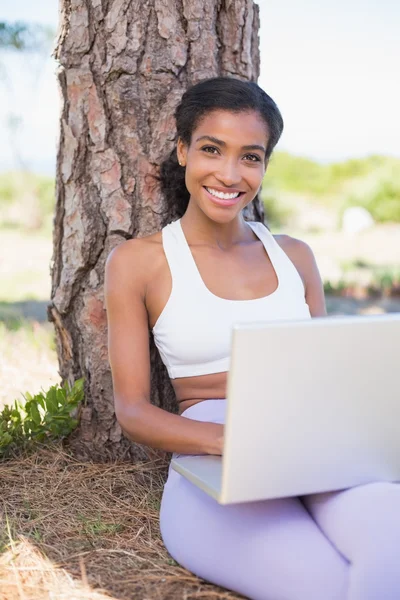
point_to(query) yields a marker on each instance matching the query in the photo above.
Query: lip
(222, 201)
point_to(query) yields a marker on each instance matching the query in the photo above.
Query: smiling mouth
(223, 195)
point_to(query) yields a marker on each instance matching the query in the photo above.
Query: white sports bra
(193, 332)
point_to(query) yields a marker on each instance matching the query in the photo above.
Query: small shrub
(44, 417)
(384, 202)
(335, 288)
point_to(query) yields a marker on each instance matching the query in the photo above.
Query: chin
(222, 215)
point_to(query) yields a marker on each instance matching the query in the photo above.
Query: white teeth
(222, 195)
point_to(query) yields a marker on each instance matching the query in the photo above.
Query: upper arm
(314, 289)
(128, 334)
(303, 259)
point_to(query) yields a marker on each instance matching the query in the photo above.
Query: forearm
(152, 426)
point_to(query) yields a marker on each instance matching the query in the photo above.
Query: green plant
(96, 526)
(335, 288)
(43, 417)
(387, 278)
(384, 202)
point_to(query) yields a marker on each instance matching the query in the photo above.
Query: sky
(332, 68)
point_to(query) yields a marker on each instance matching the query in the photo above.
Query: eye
(210, 149)
(252, 157)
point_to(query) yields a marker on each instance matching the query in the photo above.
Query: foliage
(381, 200)
(372, 182)
(297, 174)
(303, 175)
(25, 37)
(384, 202)
(355, 167)
(380, 280)
(43, 417)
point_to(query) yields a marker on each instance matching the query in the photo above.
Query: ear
(181, 151)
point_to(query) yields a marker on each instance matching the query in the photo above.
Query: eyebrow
(221, 143)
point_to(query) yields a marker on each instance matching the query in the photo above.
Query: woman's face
(225, 162)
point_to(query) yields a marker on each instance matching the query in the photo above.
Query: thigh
(358, 518)
(270, 550)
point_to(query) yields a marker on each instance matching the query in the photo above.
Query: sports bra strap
(178, 255)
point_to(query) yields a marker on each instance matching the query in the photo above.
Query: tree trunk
(124, 65)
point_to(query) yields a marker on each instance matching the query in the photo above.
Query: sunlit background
(333, 181)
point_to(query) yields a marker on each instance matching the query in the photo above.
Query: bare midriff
(191, 390)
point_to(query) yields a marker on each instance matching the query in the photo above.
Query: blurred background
(334, 180)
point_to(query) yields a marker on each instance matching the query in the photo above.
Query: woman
(189, 283)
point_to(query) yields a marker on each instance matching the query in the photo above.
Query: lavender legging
(333, 546)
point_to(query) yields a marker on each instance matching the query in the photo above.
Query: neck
(201, 229)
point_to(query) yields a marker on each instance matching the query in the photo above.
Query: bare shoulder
(303, 259)
(138, 248)
(135, 260)
(298, 251)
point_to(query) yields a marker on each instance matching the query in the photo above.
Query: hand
(221, 445)
(219, 442)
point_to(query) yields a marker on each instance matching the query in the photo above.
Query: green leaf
(76, 393)
(15, 414)
(40, 400)
(5, 440)
(51, 400)
(34, 413)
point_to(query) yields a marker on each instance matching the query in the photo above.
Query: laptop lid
(312, 406)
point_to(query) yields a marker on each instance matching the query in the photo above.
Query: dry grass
(72, 530)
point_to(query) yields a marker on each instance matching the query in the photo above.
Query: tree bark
(124, 65)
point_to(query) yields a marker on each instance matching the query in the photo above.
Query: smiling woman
(243, 100)
(190, 283)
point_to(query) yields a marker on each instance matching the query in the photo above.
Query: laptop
(312, 406)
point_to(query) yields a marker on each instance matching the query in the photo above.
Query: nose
(228, 173)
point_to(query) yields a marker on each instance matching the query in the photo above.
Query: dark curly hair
(219, 93)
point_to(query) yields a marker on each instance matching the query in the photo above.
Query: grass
(72, 530)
